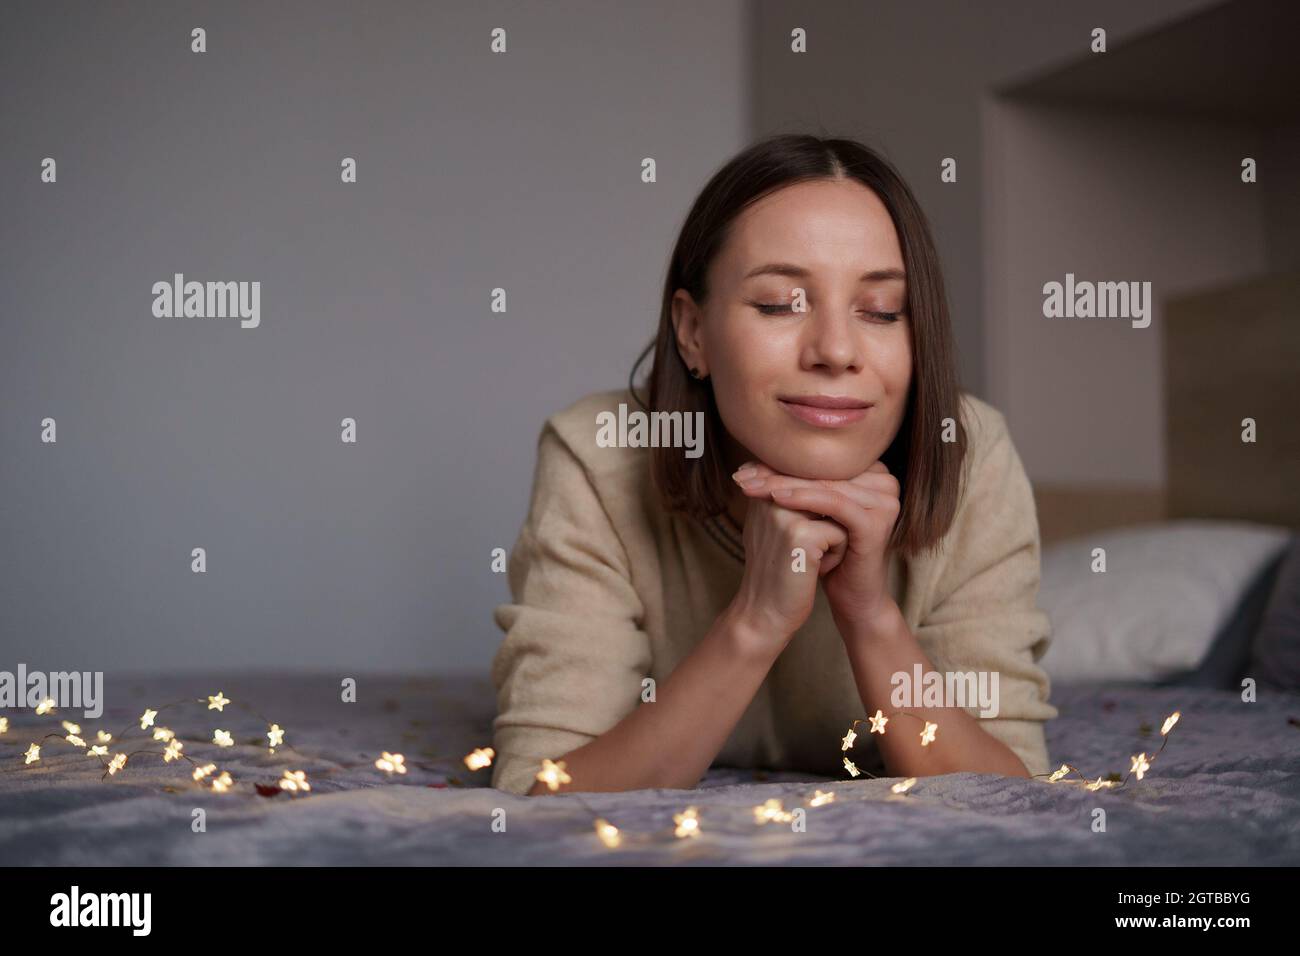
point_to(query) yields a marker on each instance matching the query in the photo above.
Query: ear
(687, 319)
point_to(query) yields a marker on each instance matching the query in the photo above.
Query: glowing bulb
(847, 742)
(160, 733)
(903, 785)
(222, 783)
(391, 763)
(608, 833)
(75, 740)
(552, 774)
(688, 823)
(222, 738)
(70, 727)
(878, 722)
(1169, 722)
(46, 706)
(927, 735)
(103, 736)
(820, 798)
(173, 751)
(1058, 774)
(146, 719)
(4, 724)
(201, 772)
(294, 780)
(116, 764)
(218, 702)
(1140, 765)
(276, 736)
(480, 758)
(851, 767)
(33, 754)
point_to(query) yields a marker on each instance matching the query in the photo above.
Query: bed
(1226, 790)
(1212, 599)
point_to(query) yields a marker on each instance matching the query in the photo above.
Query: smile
(824, 417)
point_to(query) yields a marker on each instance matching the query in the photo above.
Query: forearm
(671, 741)
(887, 648)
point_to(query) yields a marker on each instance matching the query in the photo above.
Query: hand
(774, 600)
(867, 508)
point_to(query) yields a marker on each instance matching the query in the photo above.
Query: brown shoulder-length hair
(929, 469)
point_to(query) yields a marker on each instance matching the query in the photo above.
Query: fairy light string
(686, 824)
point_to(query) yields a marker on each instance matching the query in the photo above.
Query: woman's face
(834, 240)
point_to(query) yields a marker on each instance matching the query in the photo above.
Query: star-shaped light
(847, 742)
(1058, 774)
(116, 764)
(391, 763)
(201, 772)
(222, 783)
(820, 798)
(771, 811)
(222, 738)
(481, 757)
(294, 780)
(903, 785)
(878, 722)
(75, 740)
(688, 823)
(218, 703)
(276, 736)
(163, 733)
(103, 736)
(99, 750)
(552, 774)
(70, 727)
(4, 724)
(851, 767)
(45, 707)
(33, 754)
(1100, 784)
(146, 719)
(927, 735)
(1169, 722)
(173, 751)
(1140, 765)
(608, 833)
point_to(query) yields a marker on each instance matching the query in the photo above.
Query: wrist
(881, 624)
(752, 635)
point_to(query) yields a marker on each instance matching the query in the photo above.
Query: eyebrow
(798, 272)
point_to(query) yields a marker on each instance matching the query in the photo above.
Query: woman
(667, 614)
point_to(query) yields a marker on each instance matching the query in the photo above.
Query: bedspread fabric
(1225, 791)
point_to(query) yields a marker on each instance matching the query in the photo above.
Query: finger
(861, 495)
(833, 504)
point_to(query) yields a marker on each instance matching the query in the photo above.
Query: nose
(831, 341)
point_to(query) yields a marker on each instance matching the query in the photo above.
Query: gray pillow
(1275, 656)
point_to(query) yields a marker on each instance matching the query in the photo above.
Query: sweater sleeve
(574, 654)
(985, 616)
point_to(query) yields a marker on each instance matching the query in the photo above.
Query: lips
(826, 401)
(825, 411)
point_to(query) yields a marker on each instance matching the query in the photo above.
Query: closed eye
(783, 308)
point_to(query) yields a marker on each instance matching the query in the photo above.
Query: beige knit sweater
(608, 589)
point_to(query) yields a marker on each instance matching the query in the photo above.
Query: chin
(815, 463)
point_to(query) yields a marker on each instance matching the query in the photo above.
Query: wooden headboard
(1229, 353)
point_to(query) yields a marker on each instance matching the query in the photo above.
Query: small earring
(695, 373)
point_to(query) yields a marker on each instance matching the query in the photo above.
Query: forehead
(823, 223)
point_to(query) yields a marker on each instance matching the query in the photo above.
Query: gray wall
(907, 77)
(475, 171)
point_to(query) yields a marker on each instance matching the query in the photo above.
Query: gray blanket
(1226, 790)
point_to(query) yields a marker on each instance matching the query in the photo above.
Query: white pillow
(1167, 589)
